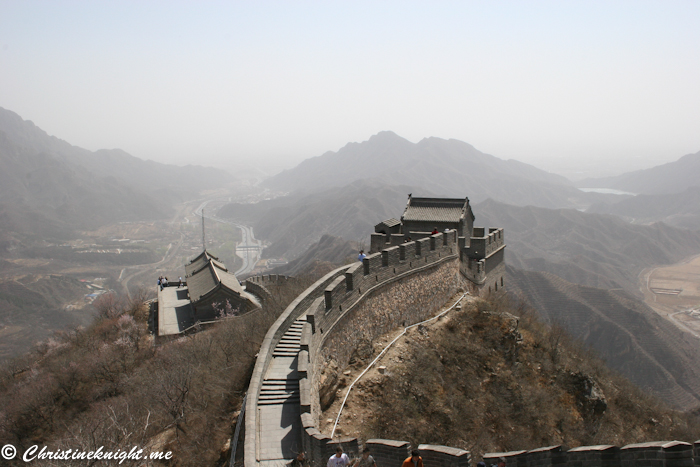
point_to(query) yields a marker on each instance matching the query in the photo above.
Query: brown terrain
(490, 377)
(674, 292)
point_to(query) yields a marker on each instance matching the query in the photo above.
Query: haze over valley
(77, 225)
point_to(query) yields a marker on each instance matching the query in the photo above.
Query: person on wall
(414, 461)
(339, 459)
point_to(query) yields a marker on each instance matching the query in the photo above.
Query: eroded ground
(355, 413)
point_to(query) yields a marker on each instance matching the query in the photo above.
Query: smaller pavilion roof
(205, 273)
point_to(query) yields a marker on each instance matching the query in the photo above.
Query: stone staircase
(276, 390)
(290, 342)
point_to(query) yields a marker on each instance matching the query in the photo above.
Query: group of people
(340, 459)
(163, 282)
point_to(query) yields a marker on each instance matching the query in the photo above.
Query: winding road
(248, 249)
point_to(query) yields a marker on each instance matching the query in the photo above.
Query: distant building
(481, 250)
(210, 285)
(208, 288)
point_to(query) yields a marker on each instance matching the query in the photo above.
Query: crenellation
(548, 456)
(423, 247)
(444, 456)
(388, 452)
(512, 458)
(372, 263)
(304, 395)
(353, 276)
(594, 456)
(335, 291)
(409, 250)
(390, 256)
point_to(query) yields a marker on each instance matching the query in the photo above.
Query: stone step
(288, 347)
(275, 397)
(281, 387)
(294, 400)
(277, 393)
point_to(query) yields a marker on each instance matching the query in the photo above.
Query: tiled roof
(200, 261)
(435, 209)
(205, 273)
(391, 222)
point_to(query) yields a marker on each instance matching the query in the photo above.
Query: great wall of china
(403, 283)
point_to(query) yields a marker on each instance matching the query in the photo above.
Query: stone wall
(397, 287)
(295, 310)
(257, 285)
(483, 244)
(396, 304)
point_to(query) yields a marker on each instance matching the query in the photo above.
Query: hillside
(678, 209)
(587, 249)
(43, 196)
(492, 378)
(144, 175)
(107, 385)
(445, 167)
(626, 333)
(51, 188)
(31, 308)
(329, 250)
(673, 177)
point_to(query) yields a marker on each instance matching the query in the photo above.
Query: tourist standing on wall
(339, 459)
(414, 461)
(366, 460)
(361, 256)
(299, 461)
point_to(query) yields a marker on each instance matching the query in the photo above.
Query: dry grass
(107, 385)
(494, 378)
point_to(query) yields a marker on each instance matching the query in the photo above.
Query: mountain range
(51, 188)
(673, 177)
(588, 249)
(445, 167)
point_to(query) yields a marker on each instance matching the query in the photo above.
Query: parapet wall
(257, 285)
(295, 310)
(653, 454)
(328, 301)
(484, 244)
(399, 286)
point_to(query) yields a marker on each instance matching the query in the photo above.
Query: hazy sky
(562, 85)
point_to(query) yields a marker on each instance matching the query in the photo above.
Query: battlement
(262, 279)
(258, 284)
(399, 283)
(333, 303)
(380, 241)
(483, 244)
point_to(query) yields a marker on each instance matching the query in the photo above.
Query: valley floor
(674, 293)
